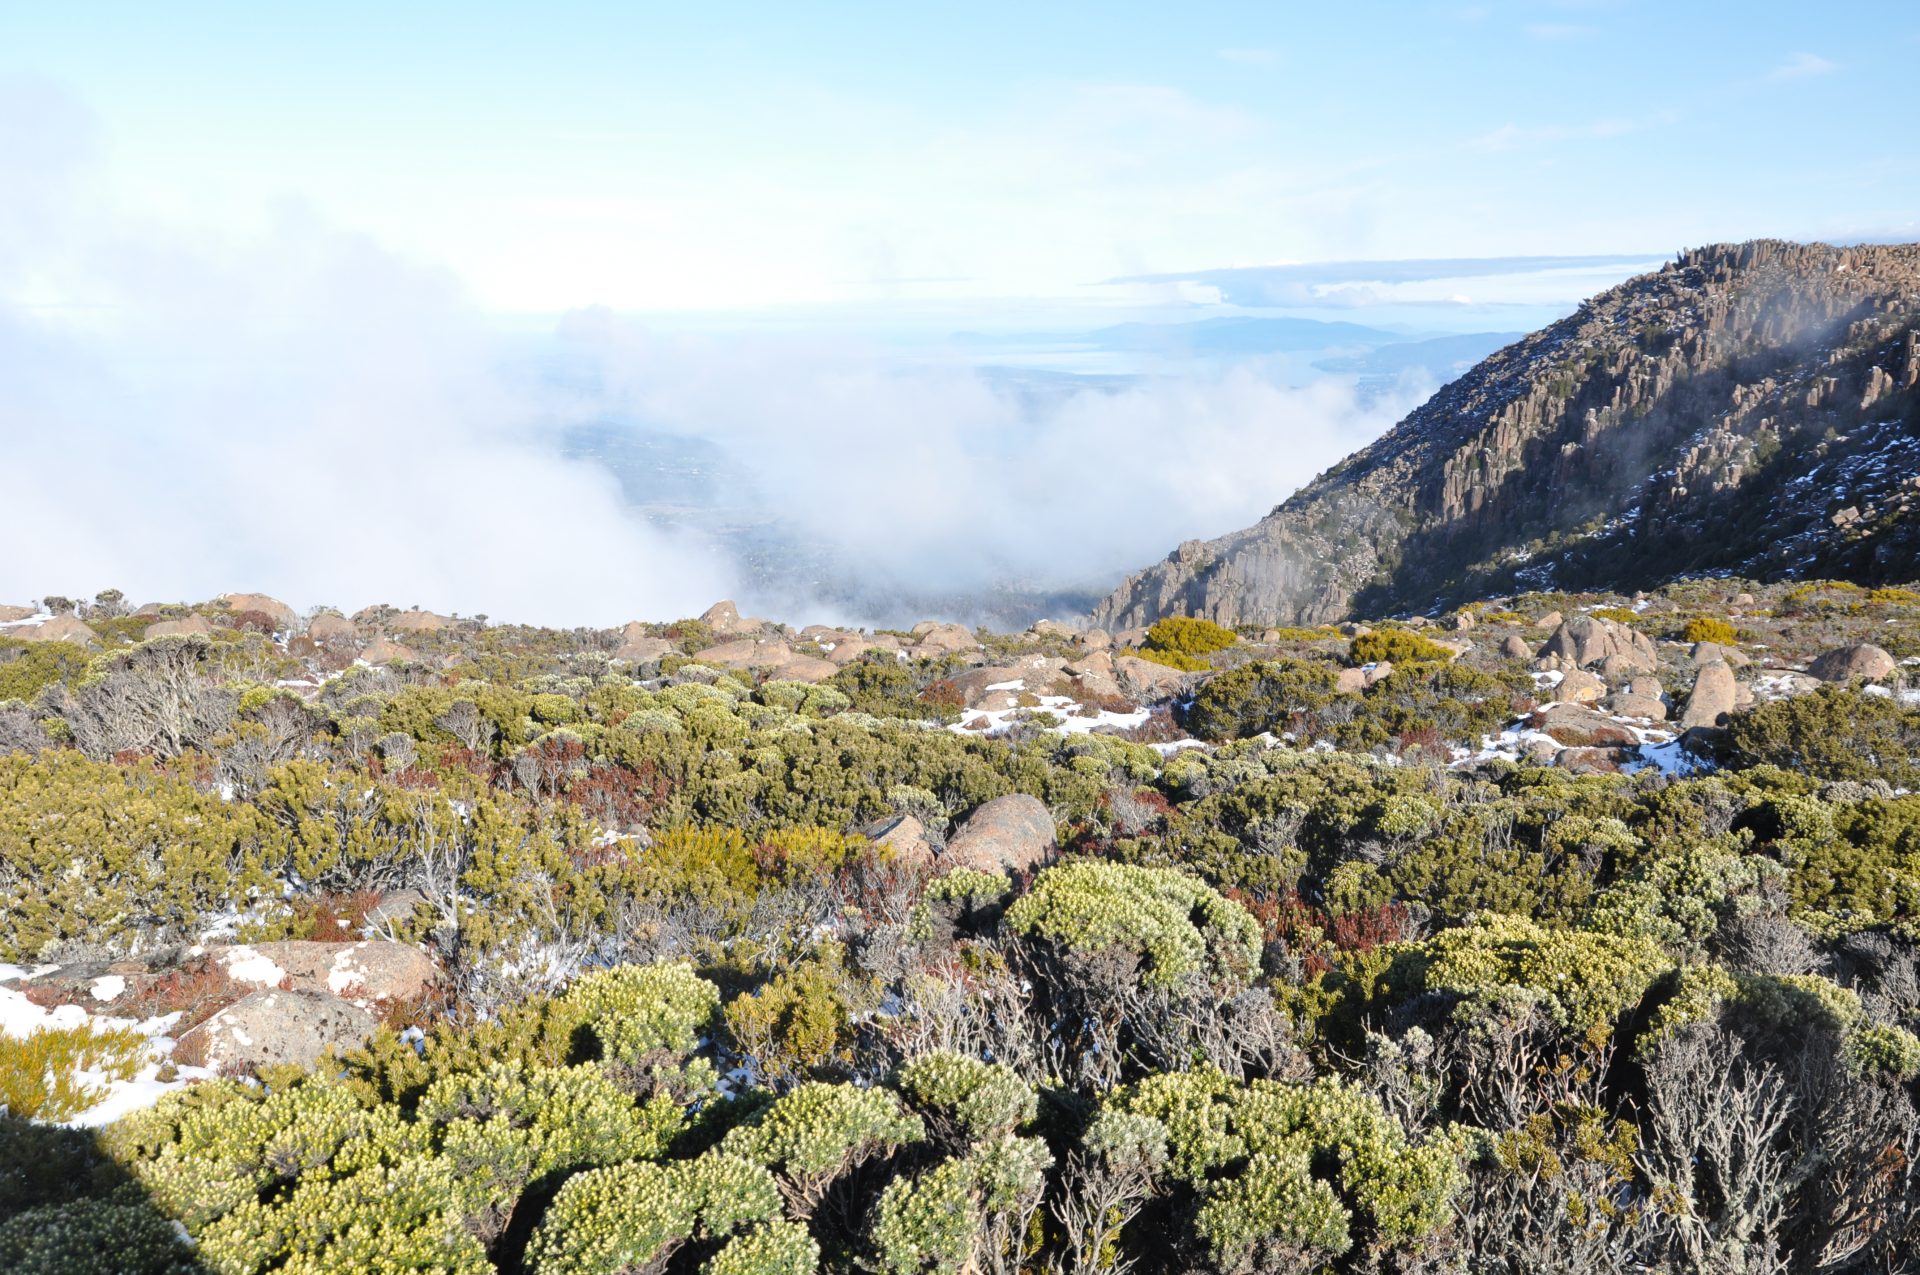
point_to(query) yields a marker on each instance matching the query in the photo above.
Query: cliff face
(1749, 408)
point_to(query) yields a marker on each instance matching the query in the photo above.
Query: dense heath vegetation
(1310, 998)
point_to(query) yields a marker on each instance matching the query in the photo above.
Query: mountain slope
(1749, 408)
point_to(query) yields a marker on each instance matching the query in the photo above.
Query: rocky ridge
(1749, 409)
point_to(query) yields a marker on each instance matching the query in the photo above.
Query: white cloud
(302, 414)
(933, 478)
(1803, 66)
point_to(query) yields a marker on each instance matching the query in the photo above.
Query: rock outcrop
(1748, 408)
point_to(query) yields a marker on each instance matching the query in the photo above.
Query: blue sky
(725, 157)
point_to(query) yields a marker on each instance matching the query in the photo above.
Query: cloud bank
(302, 412)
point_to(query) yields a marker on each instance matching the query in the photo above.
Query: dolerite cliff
(1748, 409)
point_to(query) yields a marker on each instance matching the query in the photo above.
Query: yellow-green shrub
(39, 1072)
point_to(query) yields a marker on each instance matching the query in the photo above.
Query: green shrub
(1583, 980)
(115, 857)
(1266, 695)
(40, 1072)
(812, 1135)
(1175, 924)
(75, 1238)
(1297, 1167)
(1397, 646)
(981, 1100)
(1185, 635)
(1831, 734)
(1706, 628)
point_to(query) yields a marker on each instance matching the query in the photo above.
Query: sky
(245, 248)
(660, 157)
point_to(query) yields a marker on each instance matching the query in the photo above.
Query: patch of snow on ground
(20, 1018)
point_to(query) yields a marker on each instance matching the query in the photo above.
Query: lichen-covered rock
(274, 1026)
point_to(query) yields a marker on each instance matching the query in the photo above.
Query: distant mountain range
(1748, 409)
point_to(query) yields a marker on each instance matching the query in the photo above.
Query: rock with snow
(9, 614)
(364, 972)
(1575, 726)
(1848, 663)
(1014, 833)
(273, 1026)
(60, 628)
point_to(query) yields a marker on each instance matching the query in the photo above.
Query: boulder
(1593, 761)
(1378, 672)
(904, 836)
(1575, 726)
(1463, 620)
(362, 972)
(61, 628)
(805, 668)
(744, 653)
(1624, 664)
(420, 622)
(195, 624)
(328, 628)
(284, 618)
(9, 613)
(394, 906)
(1580, 687)
(1350, 681)
(1847, 663)
(1012, 833)
(944, 637)
(725, 620)
(1146, 680)
(847, 650)
(1585, 641)
(1098, 664)
(1515, 648)
(643, 650)
(1551, 620)
(1714, 696)
(1031, 673)
(1096, 639)
(386, 651)
(1627, 704)
(1053, 628)
(1705, 653)
(276, 1027)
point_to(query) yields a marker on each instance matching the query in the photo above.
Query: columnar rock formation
(1749, 407)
